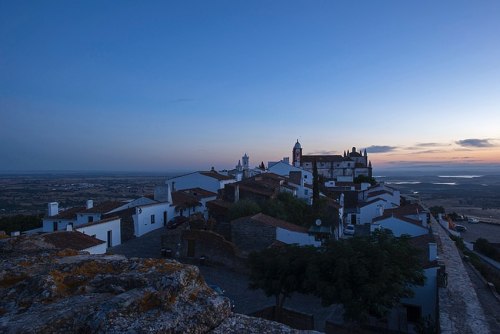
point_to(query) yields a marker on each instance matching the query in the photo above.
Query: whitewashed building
(211, 181)
(106, 229)
(399, 225)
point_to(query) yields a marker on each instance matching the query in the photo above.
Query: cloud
(430, 144)
(428, 151)
(474, 143)
(380, 149)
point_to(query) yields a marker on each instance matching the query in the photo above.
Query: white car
(349, 229)
(473, 221)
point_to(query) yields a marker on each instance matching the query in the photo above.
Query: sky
(186, 85)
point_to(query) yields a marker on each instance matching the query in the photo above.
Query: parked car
(176, 221)
(473, 221)
(349, 229)
(460, 228)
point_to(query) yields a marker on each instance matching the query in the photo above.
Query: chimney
(432, 251)
(53, 209)
(90, 204)
(286, 160)
(236, 193)
(169, 194)
(301, 179)
(69, 227)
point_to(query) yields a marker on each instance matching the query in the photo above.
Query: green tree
(365, 179)
(20, 223)
(243, 208)
(280, 271)
(367, 275)
(315, 197)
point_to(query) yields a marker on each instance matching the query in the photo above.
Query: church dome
(297, 145)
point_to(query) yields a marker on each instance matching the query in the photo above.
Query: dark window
(54, 226)
(413, 313)
(91, 219)
(110, 238)
(152, 219)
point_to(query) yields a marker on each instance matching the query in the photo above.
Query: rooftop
(71, 239)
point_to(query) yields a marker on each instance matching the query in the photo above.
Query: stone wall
(214, 247)
(249, 235)
(459, 308)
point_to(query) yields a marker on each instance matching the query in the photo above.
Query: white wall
(284, 169)
(373, 210)
(292, 237)
(134, 203)
(101, 231)
(48, 224)
(83, 218)
(142, 217)
(399, 227)
(425, 296)
(99, 249)
(194, 180)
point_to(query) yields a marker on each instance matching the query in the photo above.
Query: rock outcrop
(47, 290)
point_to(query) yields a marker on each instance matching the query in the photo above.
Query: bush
(484, 247)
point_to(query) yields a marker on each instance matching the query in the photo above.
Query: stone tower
(297, 154)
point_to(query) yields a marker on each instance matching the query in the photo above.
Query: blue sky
(152, 86)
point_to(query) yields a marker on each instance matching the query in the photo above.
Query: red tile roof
(378, 192)
(103, 207)
(71, 239)
(422, 244)
(400, 217)
(271, 221)
(405, 210)
(217, 176)
(67, 214)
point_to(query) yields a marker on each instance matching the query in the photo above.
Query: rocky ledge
(46, 290)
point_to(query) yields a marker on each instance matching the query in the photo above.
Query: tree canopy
(365, 179)
(280, 271)
(368, 275)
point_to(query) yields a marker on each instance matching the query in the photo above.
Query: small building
(208, 180)
(105, 229)
(75, 240)
(399, 225)
(257, 232)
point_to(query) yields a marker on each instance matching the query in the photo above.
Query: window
(110, 238)
(413, 313)
(305, 176)
(306, 192)
(90, 219)
(152, 219)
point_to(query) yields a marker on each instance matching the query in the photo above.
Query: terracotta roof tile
(268, 220)
(217, 176)
(71, 239)
(103, 207)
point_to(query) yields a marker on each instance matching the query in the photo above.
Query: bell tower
(297, 154)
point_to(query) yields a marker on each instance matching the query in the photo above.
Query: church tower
(245, 159)
(297, 154)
